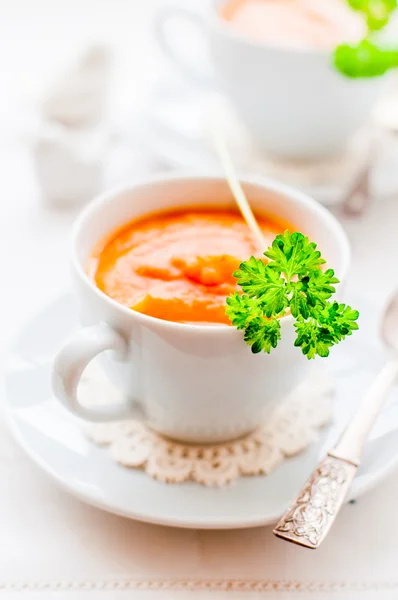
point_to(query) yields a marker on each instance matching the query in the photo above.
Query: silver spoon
(313, 512)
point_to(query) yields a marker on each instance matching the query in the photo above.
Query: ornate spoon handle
(311, 515)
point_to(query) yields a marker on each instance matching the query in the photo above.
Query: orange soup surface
(178, 266)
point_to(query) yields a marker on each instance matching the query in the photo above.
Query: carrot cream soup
(295, 23)
(178, 265)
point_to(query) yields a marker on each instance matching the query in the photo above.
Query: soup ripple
(178, 265)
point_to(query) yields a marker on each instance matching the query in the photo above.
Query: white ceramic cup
(197, 383)
(293, 102)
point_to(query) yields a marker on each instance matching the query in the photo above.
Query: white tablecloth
(55, 547)
(50, 541)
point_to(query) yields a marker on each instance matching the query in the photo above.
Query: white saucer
(175, 129)
(53, 439)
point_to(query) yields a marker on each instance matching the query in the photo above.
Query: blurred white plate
(175, 129)
(53, 438)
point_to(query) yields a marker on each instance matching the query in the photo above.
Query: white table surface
(55, 547)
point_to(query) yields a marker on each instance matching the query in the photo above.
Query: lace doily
(293, 425)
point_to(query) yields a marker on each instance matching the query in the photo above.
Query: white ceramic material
(174, 129)
(53, 438)
(293, 102)
(192, 382)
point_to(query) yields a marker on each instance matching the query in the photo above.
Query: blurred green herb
(368, 58)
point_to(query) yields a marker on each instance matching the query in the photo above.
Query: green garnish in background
(292, 279)
(368, 58)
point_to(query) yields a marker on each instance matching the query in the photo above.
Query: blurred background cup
(292, 101)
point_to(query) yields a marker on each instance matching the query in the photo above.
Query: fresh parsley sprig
(368, 58)
(291, 280)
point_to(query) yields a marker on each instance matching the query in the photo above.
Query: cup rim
(266, 183)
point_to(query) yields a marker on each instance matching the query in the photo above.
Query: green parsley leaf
(293, 254)
(299, 304)
(263, 334)
(259, 282)
(313, 339)
(339, 318)
(242, 310)
(319, 285)
(292, 279)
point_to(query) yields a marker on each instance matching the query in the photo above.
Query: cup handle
(70, 363)
(188, 68)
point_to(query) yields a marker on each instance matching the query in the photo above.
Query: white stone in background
(71, 142)
(69, 163)
(80, 96)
